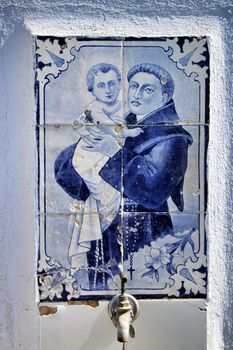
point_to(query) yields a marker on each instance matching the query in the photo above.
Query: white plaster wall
(19, 320)
(163, 325)
(19, 326)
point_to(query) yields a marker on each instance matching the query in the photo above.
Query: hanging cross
(131, 270)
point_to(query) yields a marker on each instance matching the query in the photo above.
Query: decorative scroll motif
(189, 56)
(53, 58)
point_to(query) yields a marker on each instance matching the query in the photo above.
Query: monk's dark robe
(154, 165)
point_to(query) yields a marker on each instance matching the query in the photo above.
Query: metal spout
(123, 318)
(123, 309)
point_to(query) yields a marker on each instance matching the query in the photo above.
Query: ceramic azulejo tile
(69, 71)
(164, 254)
(76, 258)
(154, 166)
(64, 152)
(164, 169)
(108, 115)
(180, 64)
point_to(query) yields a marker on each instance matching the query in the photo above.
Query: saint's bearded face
(145, 94)
(106, 86)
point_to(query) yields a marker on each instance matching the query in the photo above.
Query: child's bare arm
(124, 132)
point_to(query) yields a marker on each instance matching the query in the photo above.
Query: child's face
(106, 87)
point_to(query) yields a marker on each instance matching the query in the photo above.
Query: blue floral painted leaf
(55, 270)
(148, 265)
(157, 275)
(185, 59)
(190, 241)
(56, 59)
(187, 239)
(185, 235)
(171, 248)
(141, 268)
(57, 279)
(148, 273)
(183, 245)
(186, 274)
(171, 268)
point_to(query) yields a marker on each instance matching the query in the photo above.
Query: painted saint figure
(154, 164)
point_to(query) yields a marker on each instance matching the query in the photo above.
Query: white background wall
(19, 319)
(163, 325)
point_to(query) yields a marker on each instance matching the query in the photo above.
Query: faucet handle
(132, 331)
(113, 305)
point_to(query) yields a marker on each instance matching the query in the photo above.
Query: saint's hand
(98, 141)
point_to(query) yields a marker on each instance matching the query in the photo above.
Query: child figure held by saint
(105, 114)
